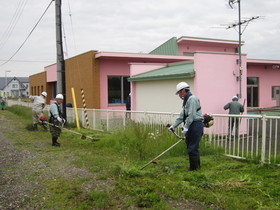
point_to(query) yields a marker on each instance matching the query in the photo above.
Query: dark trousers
(193, 137)
(55, 131)
(231, 122)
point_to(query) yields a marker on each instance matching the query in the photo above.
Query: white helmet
(44, 94)
(235, 98)
(59, 96)
(180, 86)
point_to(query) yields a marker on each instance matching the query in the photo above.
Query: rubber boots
(54, 142)
(35, 127)
(194, 162)
(44, 127)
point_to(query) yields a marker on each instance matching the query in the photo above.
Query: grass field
(106, 174)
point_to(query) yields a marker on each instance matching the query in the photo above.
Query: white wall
(159, 96)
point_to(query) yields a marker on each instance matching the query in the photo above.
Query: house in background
(209, 66)
(14, 87)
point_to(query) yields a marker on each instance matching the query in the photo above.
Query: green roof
(170, 47)
(172, 71)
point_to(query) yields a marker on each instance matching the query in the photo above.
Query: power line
(7, 34)
(28, 35)
(27, 61)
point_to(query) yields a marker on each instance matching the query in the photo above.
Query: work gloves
(61, 120)
(184, 130)
(171, 128)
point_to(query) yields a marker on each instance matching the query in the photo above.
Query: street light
(6, 78)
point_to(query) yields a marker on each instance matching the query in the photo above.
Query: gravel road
(22, 171)
(14, 171)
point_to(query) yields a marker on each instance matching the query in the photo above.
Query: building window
(14, 86)
(275, 92)
(252, 81)
(252, 91)
(118, 89)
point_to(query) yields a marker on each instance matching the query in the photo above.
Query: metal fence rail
(257, 136)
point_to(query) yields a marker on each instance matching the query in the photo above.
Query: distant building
(38, 84)
(14, 87)
(209, 66)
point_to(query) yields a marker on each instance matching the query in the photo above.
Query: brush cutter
(82, 135)
(154, 160)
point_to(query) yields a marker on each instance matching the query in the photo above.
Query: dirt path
(23, 170)
(13, 170)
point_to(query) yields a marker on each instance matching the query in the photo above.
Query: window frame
(253, 101)
(122, 90)
(273, 91)
(14, 86)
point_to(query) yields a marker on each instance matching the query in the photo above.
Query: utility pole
(239, 50)
(231, 2)
(60, 68)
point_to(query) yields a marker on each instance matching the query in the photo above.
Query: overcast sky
(128, 26)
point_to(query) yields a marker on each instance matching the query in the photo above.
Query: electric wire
(79, 71)
(8, 32)
(65, 41)
(28, 61)
(75, 46)
(28, 35)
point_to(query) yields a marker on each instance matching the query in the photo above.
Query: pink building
(215, 79)
(116, 68)
(209, 66)
(263, 83)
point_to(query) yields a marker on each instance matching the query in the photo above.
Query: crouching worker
(56, 119)
(191, 116)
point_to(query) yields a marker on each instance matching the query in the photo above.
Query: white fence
(257, 136)
(109, 120)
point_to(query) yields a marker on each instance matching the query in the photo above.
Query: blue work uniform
(191, 115)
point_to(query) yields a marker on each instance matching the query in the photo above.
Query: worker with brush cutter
(191, 116)
(56, 119)
(39, 103)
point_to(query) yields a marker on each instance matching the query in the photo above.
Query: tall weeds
(22, 111)
(137, 142)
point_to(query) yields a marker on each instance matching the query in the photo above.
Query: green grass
(106, 174)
